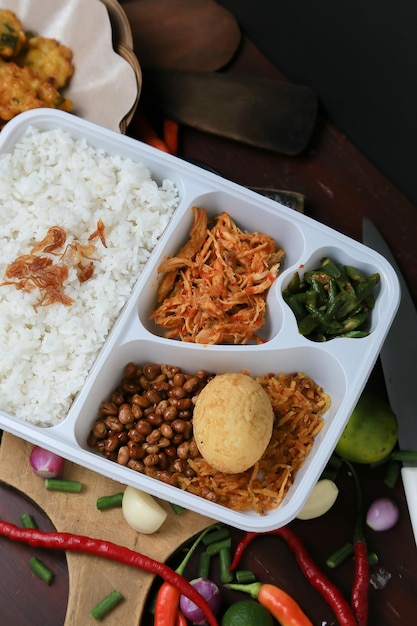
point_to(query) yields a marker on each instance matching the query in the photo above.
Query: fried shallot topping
(39, 270)
(214, 291)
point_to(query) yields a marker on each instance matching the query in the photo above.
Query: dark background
(360, 57)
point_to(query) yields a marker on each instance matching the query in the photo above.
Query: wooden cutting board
(92, 578)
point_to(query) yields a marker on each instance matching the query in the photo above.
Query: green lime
(247, 613)
(371, 432)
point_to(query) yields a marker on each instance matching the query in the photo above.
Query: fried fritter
(49, 59)
(22, 90)
(12, 35)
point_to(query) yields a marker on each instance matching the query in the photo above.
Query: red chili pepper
(360, 587)
(180, 621)
(316, 577)
(147, 133)
(171, 135)
(240, 548)
(359, 598)
(108, 550)
(277, 601)
(166, 605)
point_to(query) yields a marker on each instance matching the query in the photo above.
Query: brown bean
(117, 398)
(136, 412)
(143, 427)
(122, 437)
(163, 461)
(178, 466)
(123, 455)
(154, 436)
(100, 429)
(153, 396)
(138, 466)
(125, 414)
(111, 443)
(194, 451)
(114, 424)
(135, 450)
(140, 401)
(189, 472)
(166, 431)
(154, 419)
(170, 413)
(178, 379)
(151, 370)
(150, 448)
(130, 370)
(191, 384)
(150, 460)
(161, 407)
(177, 392)
(161, 386)
(168, 478)
(178, 425)
(183, 450)
(184, 404)
(171, 451)
(108, 408)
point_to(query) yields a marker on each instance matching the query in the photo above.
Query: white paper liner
(104, 86)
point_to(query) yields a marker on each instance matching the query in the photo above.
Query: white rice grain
(53, 179)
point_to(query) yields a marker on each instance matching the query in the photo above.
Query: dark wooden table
(340, 187)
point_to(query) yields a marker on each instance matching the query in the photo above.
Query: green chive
(214, 548)
(245, 576)
(27, 521)
(338, 557)
(110, 502)
(225, 558)
(392, 473)
(107, 604)
(177, 508)
(58, 484)
(204, 565)
(41, 570)
(216, 535)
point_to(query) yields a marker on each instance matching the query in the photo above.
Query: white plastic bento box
(341, 366)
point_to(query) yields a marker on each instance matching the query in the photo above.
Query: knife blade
(398, 369)
(270, 114)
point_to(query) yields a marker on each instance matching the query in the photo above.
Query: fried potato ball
(21, 90)
(12, 35)
(48, 59)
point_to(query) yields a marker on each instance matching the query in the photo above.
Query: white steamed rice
(52, 179)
